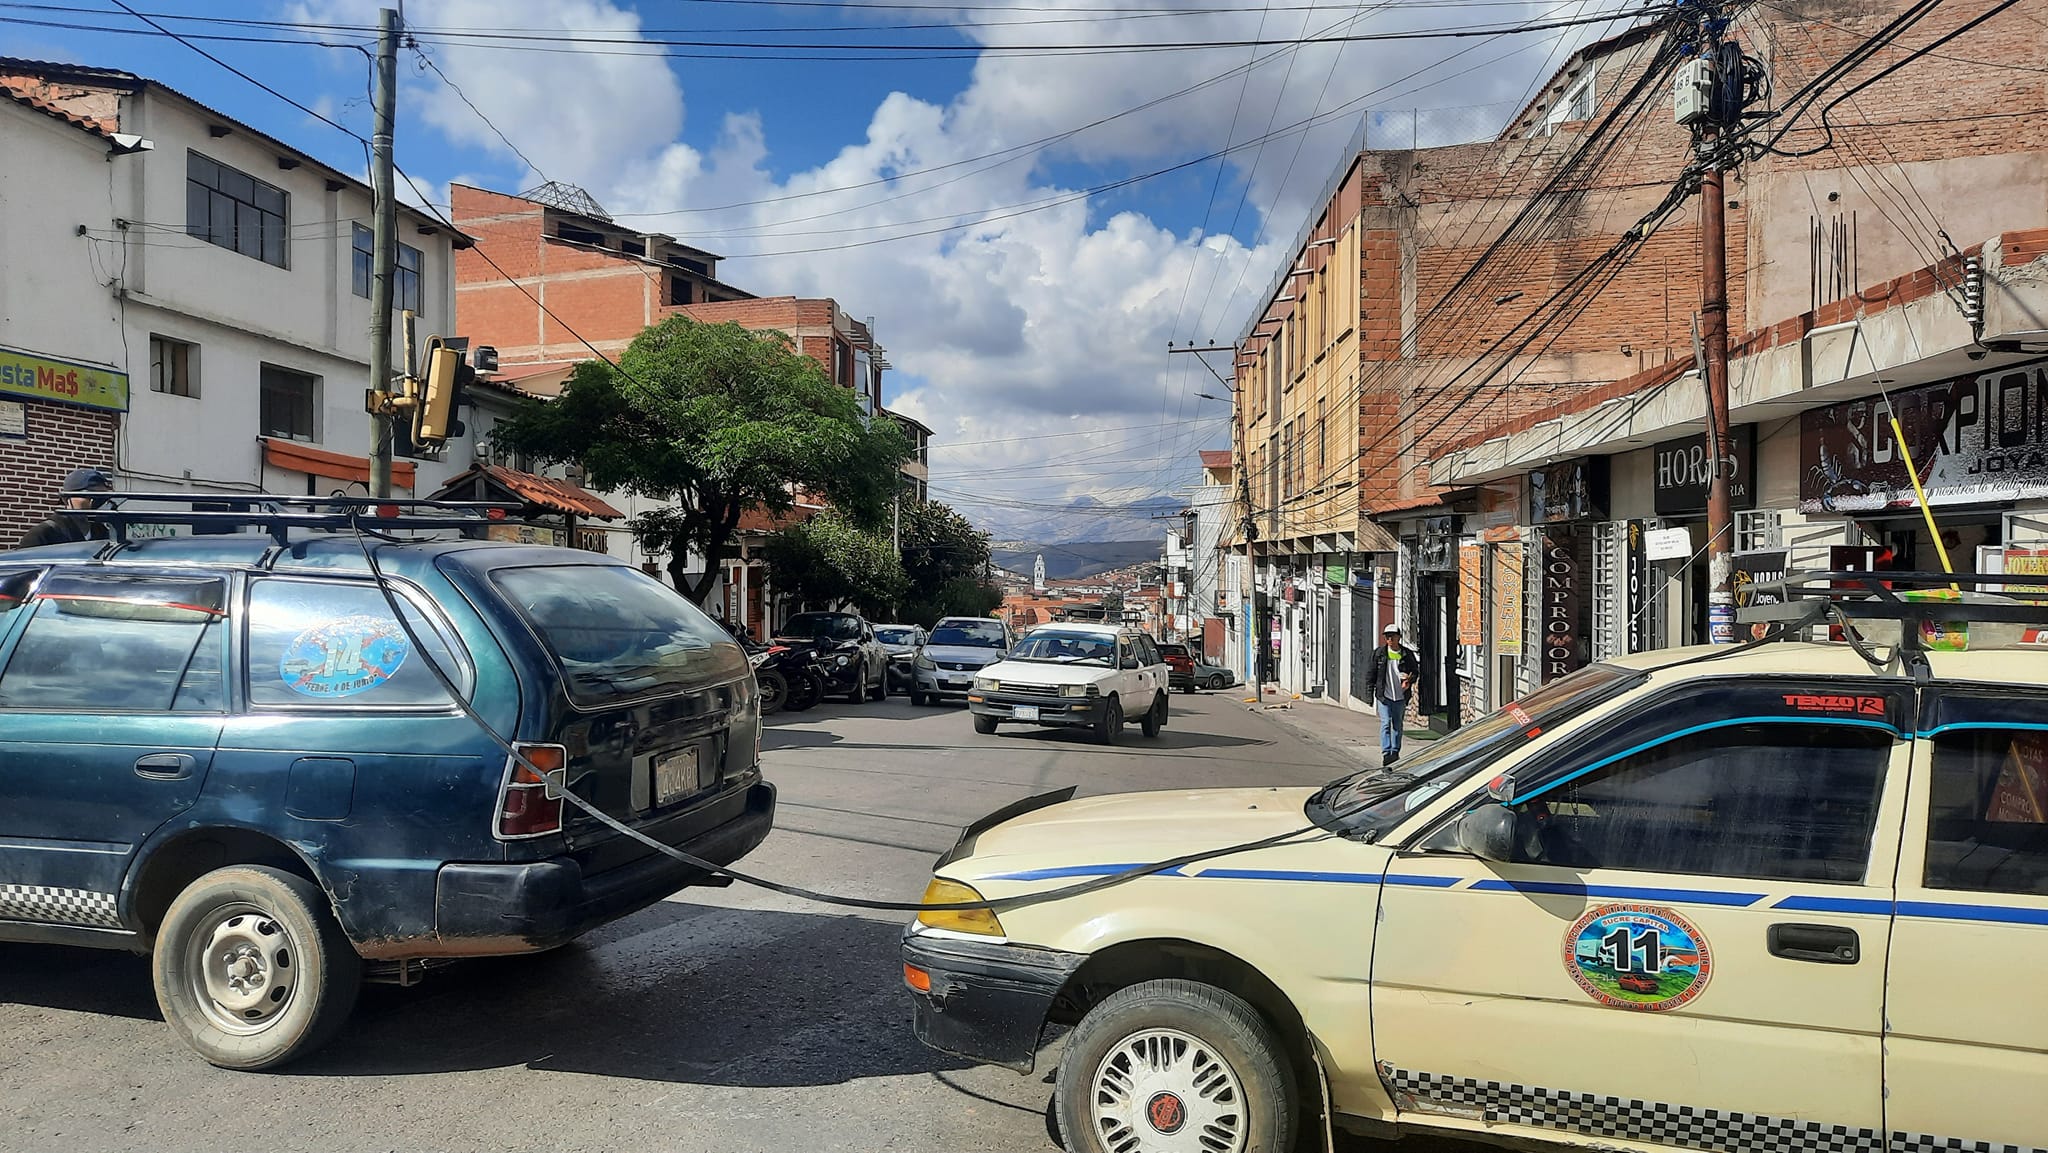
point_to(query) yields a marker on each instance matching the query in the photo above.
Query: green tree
(1113, 605)
(828, 560)
(945, 565)
(714, 419)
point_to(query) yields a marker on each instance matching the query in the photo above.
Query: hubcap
(243, 969)
(1164, 1091)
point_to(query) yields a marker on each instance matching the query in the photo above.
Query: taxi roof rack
(224, 513)
(1918, 598)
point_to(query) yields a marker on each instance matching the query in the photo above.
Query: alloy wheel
(1165, 1091)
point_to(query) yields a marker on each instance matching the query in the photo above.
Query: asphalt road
(722, 1021)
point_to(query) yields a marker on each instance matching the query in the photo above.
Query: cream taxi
(1786, 897)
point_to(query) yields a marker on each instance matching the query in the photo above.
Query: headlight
(944, 892)
(925, 662)
(841, 660)
(1075, 690)
(985, 685)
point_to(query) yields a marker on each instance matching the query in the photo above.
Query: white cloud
(1018, 324)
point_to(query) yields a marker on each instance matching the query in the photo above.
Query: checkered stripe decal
(56, 906)
(1680, 1125)
(1926, 1143)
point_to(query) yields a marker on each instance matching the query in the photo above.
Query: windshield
(896, 635)
(1067, 649)
(617, 631)
(821, 627)
(968, 634)
(1373, 800)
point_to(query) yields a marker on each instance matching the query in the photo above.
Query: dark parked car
(227, 752)
(852, 659)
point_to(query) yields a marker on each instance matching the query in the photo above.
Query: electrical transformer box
(1692, 92)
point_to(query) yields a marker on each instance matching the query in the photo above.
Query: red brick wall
(60, 439)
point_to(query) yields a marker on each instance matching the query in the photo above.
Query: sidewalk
(1354, 736)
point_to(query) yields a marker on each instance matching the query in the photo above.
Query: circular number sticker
(1637, 957)
(343, 657)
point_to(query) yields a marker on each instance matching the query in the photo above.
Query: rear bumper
(1074, 712)
(491, 909)
(988, 1000)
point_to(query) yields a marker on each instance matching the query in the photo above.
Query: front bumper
(988, 1000)
(1076, 712)
(492, 909)
(953, 683)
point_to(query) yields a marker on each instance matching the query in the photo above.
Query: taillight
(524, 809)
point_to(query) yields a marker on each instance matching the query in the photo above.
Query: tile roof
(547, 492)
(1215, 458)
(49, 109)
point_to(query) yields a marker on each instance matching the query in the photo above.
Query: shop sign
(1683, 474)
(524, 534)
(1560, 608)
(24, 374)
(1660, 544)
(1471, 593)
(1439, 544)
(2026, 562)
(1638, 592)
(1507, 601)
(1571, 490)
(1977, 439)
(1338, 572)
(1753, 568)
(1500, 504)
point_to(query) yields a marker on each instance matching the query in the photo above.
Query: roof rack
(1919, 611)
(278, 515)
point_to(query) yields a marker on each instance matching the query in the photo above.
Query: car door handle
(1820, 944)
(164, 766)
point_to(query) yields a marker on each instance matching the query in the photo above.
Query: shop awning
(496, 482)
(297, 457)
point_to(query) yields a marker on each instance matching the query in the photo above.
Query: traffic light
(447, 382)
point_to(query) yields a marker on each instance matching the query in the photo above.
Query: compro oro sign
(31, 376)
(1978, 439)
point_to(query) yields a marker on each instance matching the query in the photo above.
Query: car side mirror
(1490, 832)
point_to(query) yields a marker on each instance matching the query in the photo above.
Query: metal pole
(384, 250)
(1714, 335)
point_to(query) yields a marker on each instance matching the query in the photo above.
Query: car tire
(1155, 717)
(984, 725)
(1196, 1043)
(1109, 729)
(805, 692)
(1216, 683)
(917, 698)
(881, 692)
(291, 984)
(774, 690)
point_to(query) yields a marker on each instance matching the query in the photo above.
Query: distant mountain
(1083, 519)
(1078, 559)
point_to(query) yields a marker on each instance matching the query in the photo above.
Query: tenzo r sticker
(1643, 957)
(343, 657)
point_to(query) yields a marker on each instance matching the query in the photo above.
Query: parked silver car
(958, 648)
(902, 643)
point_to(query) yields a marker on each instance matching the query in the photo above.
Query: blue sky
(1027, 320)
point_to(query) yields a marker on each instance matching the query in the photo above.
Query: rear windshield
(896, 635)
(968, 634)
(820, 627)
(617, 632)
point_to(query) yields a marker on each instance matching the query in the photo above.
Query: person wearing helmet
(81, 491)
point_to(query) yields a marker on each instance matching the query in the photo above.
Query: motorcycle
(790, 678)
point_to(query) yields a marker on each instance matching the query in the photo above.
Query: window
(1759, 529)
(1287, 461)
(334, 644)
(1987, 828)
(1792, 802)
(619, 633)
(1322, 438)
(405, 274)
(577, 235)
(120, 644)
(680, 291)
(173, 366)
(1577, 103)
(234, 210)
(287, 402)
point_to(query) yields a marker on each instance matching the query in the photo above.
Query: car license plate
(675, 774)
(1026, 712)
(953, 684)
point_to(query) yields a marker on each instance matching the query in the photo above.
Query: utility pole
(384, 249)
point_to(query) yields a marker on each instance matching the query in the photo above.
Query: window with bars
(1610, 600)
(288, 403)
(1761, 528)
(1527, 672)
(235, 211)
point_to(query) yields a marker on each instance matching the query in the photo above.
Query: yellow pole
(1925, 509)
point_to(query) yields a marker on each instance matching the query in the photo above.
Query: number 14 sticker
(1642, 957)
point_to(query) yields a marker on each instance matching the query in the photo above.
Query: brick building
(1402, 381)
(586, 282)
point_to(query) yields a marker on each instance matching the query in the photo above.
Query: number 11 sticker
(1643, 957)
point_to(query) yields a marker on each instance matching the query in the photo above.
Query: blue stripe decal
(1291, 875)
(1962, 725)
(1683, 733)
(1835, 905)
(1422, 882)
(1621, 892)
(1075, 871)
(2002, 914)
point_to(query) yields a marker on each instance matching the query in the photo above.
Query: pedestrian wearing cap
(1391, 672)
(64, 526)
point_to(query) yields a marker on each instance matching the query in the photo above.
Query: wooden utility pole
(1720, 441)
(383, 249)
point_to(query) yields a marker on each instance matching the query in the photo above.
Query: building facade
(200, 296)
(1508, 364)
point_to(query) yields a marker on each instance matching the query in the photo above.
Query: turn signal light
(944, 892)
(917, 978)
(524, 809)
